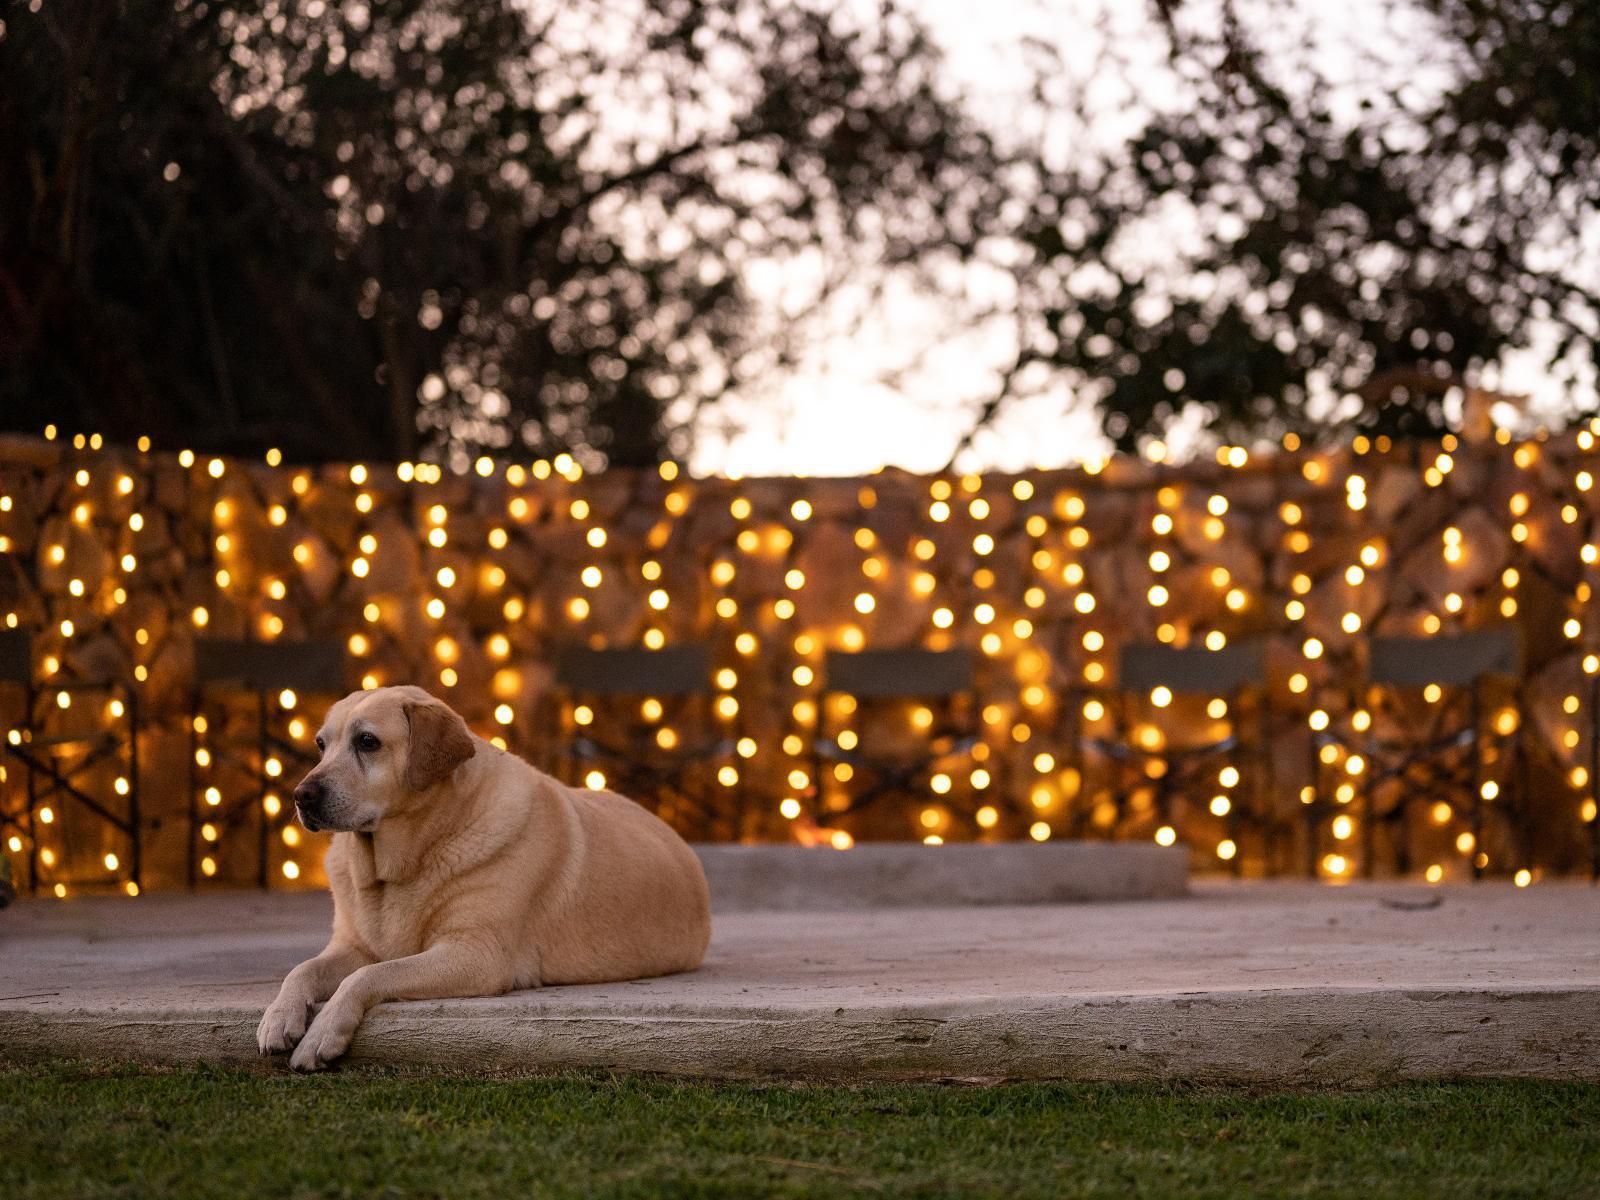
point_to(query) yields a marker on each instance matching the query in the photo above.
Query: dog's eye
(366, 743)
(320, 744)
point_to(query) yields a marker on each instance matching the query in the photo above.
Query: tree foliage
(1265, 247)
(447, 225)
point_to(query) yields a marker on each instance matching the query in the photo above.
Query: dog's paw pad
(282, 1026)
(308, 1057)
(320, 1046)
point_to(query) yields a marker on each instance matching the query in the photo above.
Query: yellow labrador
(460, 870)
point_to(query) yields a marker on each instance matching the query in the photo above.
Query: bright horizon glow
(835, 414)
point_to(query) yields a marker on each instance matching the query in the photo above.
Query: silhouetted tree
(1263, 246)
(378, 229)
(445, 227)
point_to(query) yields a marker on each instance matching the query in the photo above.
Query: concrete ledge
(1273, 984)
(1272, 1038)
(890, 874)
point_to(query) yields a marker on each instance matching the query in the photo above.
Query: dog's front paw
(283, 1024)
(328, 1038)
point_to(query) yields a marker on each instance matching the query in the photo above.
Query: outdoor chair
(1446, 761)
(944, 680)
(1236, 673)
(667, 759)
(65, 757)
(237, 768)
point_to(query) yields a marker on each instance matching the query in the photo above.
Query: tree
(1264, 248)
(448, 226)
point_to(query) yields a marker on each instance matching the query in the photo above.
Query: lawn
(82, 1131)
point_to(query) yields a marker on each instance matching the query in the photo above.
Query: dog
(457, 869)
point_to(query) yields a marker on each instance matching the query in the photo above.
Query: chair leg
(1236, 827)
(1164, 792)
(33, 793)
(135, 814)
(819, 805)
(1522, 802)
(997, 785)
(1476, 781)
(1400, 835)
(1079, 817)
(1268, 790)
(33, 827)
(739, 794)
(1369, 823)
(1313, 811)
(1594, 777)
(191, 860)
(1120, 789)
(1511, 799)
(263, 747)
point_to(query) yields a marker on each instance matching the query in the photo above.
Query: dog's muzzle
(309, 798)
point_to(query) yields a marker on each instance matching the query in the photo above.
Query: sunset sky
(835, 415)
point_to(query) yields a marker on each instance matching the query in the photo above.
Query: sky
(836, 415)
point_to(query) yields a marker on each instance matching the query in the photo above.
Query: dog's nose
(309, 794)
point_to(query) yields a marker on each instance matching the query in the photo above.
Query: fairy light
(1159, 560)
(957, 567)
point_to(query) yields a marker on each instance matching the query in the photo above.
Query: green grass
(81, 1131)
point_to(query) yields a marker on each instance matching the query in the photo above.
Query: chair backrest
(681, 670)
(1193, 670)
(16, 656)
(1453, 660)
(316, 667)
(912, 672)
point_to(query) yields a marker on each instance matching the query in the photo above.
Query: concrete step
(899, 874)
(1244, 983)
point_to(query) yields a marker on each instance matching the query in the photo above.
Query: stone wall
(117, 559)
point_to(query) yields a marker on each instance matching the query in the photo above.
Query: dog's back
(641, 906)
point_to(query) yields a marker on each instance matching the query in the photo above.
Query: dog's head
(381, 752)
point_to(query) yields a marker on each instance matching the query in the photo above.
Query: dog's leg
(312, 982)
(444, 969)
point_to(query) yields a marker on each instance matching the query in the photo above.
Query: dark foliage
(435, 227)
(1380, 256)
(444, 226)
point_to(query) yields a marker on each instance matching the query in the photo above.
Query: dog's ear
(439, 743)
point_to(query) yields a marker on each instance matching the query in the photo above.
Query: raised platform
(901, 875)
(1257, 983)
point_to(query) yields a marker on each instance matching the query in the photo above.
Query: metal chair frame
(946, 676)
(1463, 662)
(678, 676)
(64, 782)
(261, 670)
(1236, 673)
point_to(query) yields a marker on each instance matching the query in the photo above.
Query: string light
(999, 565)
